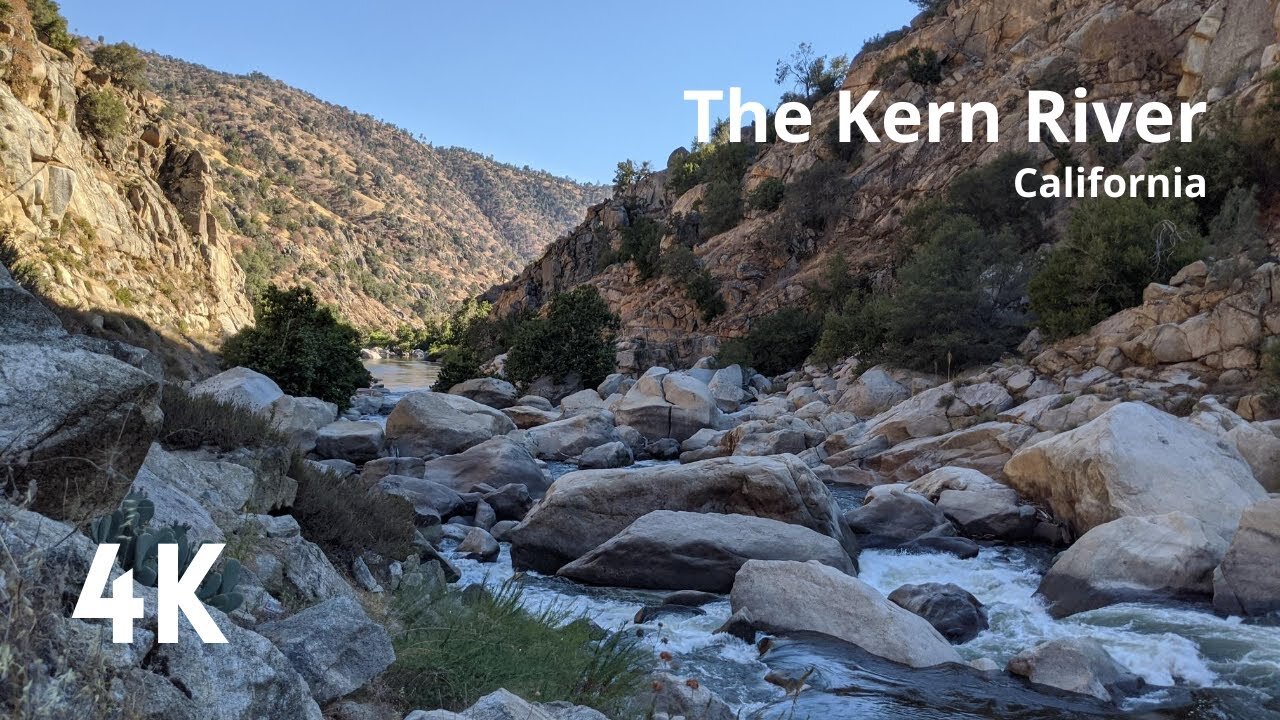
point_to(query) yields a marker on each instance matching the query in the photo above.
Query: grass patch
(346, 516)
(194, 421)
(458, 646)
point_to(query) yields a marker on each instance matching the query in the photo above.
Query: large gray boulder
(610, 455)
(1077, 665)
(786, 597)
(494, 462)
(429, 498)
(726, 388)
(241, 386)
(668, 550)
(572, 436)
(334, 646)
(1246, 583)
(1136, 460)
(686, 698)
(874, 392)
(1134, 559)
(950, 609)
(300, 419)
(493, 392)
(664, 404)
(358, 442)
(893, 518)
(529, 416)
(584, 509)
(428, 424)
(582, 401)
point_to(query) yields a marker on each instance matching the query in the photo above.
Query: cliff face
(993, 51)
(219, 184)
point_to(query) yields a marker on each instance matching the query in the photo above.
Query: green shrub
(50, 26)
(812, 76)
(985, 194)
(768, 195)
(577, 337)
(458, 646)
(123, 64)
(775, 343)
(922, 66)
(641, 244)
(1236, 244)
(347, 516)
(698, 284)
(301, 345)
(194, 421)
(102, 113)
(457, 365)
(721, 206)
(1114, 249)
(876, 43)
(929, 8)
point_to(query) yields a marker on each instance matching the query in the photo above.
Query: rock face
(1078, 665)
(584, 509)
(74, 420)
(495, 462)
(1136, 460)
(664, 404)
(1161, 557)
(241, 386)
(950, 609)
(1247, 583)
(334, 646)
(428, 424)
(793, 596)
(667, 550)
(487, 391)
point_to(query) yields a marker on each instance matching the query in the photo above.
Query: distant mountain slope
(386, 226)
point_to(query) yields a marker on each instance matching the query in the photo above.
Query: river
(1222, 669)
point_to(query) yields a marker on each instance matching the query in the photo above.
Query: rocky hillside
(989, 50)
(158, 215)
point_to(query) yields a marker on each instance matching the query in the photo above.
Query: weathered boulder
(241, 386)
(989, 511)
(581, 401)
(1078, 665)
(494, 462)
(1136, 460)
(688, 699)
(478, 544)
(300, 419)
(334, 646)
(358, 442)
(783, 596)
(1134, 559)
(509, 502)
(528, 416)
(610, 455)
(428, 497)
(873, 392)
(1261, 449)
(726, 388)
(950, 609)
(695, 551)
(487, 391)
(426, 424)
(573, 436)
(584, 509)
(1246, 583)
(375, 470)
(664, 404)
(895, 518)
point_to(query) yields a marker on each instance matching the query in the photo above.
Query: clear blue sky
(570, 87)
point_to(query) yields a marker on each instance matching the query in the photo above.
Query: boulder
(580, 402)
(664, 404)
(509, 502)
(614, 383)
(610, 455)
(1136, 460)
(300, 419)
(556, 389)
(487, 391)
(1261, 449)
(678, 698)
(950, 609)
(535, 401)
(989, 512)
(694, 551)
(427, 424)
(1246, 583)
(478, 544)
(527, 416)
(495, 462)
(726, 388)
(874, 392)
(584, 509)
(241, 386)
(783, 597)
(334, 646)
(375, 470)
(428, 497)
(357, 442)
(573, 436)
(1134, 559)
(896, 518)
(1077, 665)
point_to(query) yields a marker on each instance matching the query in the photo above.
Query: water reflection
(402, 376)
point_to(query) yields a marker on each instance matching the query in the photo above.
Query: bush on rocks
(575, 338)
(346, 516)
(193, 421)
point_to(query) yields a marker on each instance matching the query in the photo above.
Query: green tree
(50, 26)
(768, 195)
(1114, 249)
(698, 284)
(630, 176)
(102, 113)
(123, 64)
(301, 345)
(775, 343)
(577, 337)
(811, 76)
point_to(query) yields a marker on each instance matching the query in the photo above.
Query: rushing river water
(1222, 669)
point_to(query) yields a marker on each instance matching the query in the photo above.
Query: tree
(577, 337)
(301, 345)
(811, 76)
(629, 177)
(102, 113)
(123, 64)
(775, 344)
(50, 26)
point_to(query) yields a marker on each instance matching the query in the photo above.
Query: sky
(569, 86)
